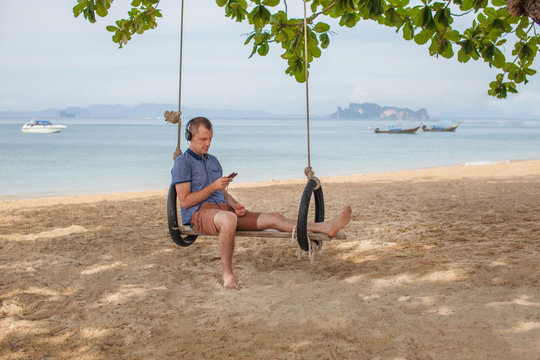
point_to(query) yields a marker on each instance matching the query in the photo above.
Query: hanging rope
(174, 117)
(308, 171)
(178, 149)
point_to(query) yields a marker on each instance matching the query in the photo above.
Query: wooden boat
(440, 128)
(397, 130)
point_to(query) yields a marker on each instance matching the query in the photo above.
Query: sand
(439, 264)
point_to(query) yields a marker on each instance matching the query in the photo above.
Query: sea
(117, 155)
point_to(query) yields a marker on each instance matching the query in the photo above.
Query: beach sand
(439, 264)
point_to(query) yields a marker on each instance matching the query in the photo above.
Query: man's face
(200, 143)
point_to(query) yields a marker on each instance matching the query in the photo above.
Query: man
(210, 209)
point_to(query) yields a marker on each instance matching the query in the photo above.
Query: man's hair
(198, 121)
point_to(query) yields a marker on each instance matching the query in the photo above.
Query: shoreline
(453, 172)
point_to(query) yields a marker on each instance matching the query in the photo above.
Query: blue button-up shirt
(200, 172)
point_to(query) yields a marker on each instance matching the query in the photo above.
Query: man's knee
(275, 215)
(271, 218)
(226, 220)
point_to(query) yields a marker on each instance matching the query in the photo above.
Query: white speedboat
(41, 127)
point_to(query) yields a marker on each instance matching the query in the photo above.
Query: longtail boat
(439, 128)
(397, 130)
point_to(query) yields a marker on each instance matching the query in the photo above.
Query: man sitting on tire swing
(209, 209)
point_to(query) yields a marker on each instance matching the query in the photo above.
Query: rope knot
(172, 116)
(310, 174)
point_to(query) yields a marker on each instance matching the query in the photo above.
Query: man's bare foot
(337, 223)
(229, 282)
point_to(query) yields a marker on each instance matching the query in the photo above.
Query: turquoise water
(112, 155)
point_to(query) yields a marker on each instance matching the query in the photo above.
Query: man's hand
(221, 183)
(239, 210)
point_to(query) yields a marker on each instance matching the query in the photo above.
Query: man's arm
(239, 209)
(188, 199)
(230, 199)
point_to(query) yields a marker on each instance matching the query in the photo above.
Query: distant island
(138, 111)
(375, 111)
(354, 111)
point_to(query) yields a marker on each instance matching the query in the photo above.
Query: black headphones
(189, 135)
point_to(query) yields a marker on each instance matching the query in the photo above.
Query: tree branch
(312, 17)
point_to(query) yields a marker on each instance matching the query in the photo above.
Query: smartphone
(232, 175)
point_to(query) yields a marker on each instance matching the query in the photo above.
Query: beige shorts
(203, 220)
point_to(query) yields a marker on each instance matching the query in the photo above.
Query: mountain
(139, 111)
(358, 111)
(375, 111)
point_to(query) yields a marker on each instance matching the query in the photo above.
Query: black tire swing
(172, 219)
(184, 237)
(312, 188)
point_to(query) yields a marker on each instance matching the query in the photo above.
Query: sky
(49, 59)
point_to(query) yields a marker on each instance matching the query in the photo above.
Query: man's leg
(274, 220)
(225, 222)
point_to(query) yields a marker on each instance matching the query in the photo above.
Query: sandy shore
(439, 264)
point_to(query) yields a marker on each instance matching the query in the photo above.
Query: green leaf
(101, 10)
(349, 19)
(321, 27)
(259, 16)
(278, 18)
(488, 52)
(497, 89)
(423, 37)
(467, 46)
(271, 2)
(249, 38)
(446, 50)
(453, 36)
(490, 12)
(408, 31)
(253, 51)
(398, 3)
(315, 52)
(221, 3)
(79, 8)
(434, 47)
(117, 37)
(467, 5)
(296, 69)
(420, 16)
(263, 49)
(498, 59)
(374, 8)
(462, 57)
(441, 18)
(392, 18)
(518, 76)
(533, 45)
(325, 40)
(526, 53)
